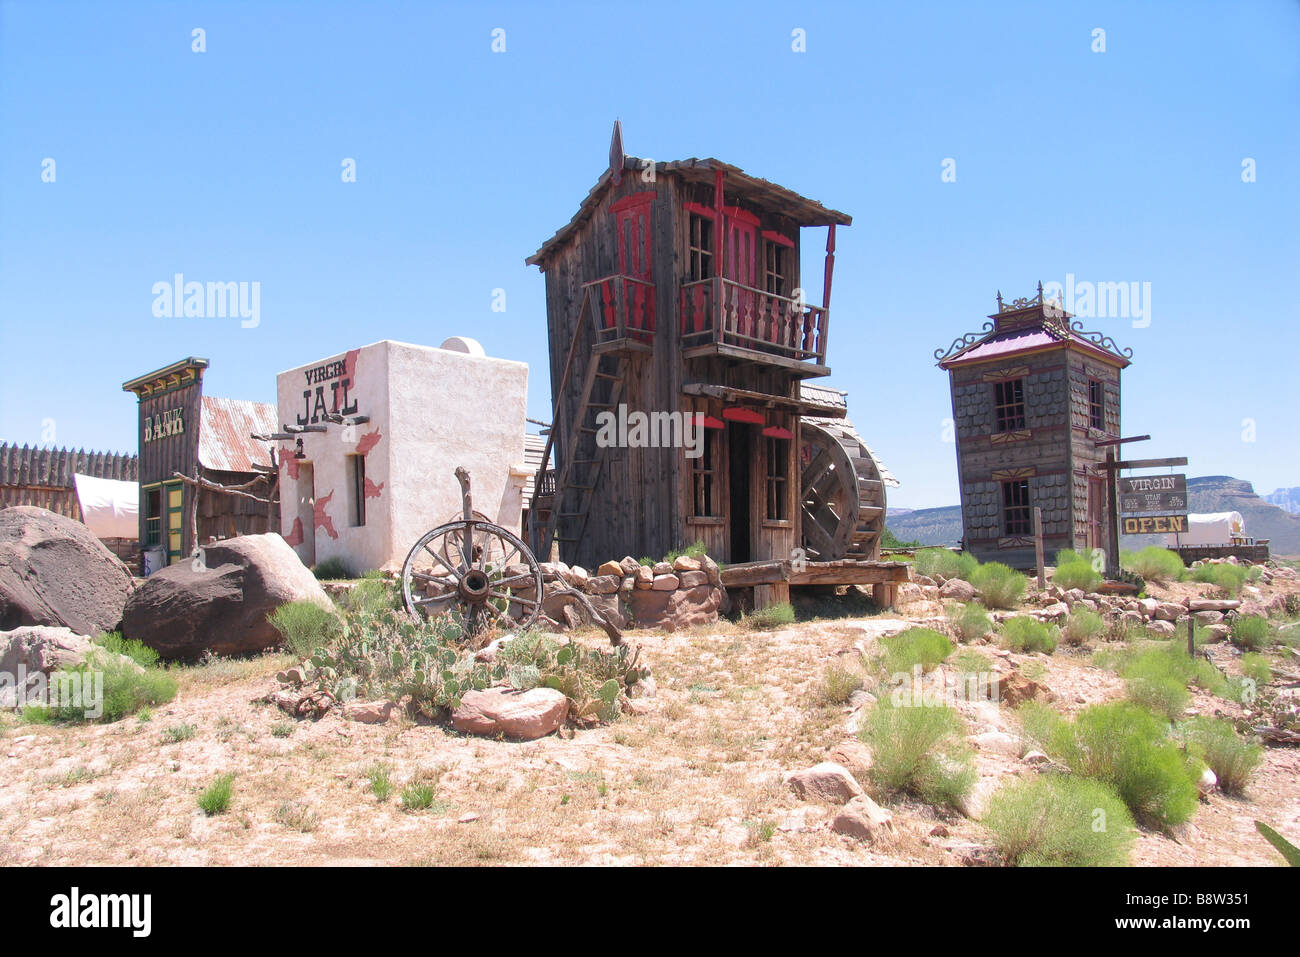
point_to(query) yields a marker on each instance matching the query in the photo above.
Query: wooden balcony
(623, 310)
(722, 317)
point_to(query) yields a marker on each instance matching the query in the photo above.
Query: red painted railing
(623, 308)
(719, 310)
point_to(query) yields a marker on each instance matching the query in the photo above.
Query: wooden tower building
(1032, 395)
(678, 289)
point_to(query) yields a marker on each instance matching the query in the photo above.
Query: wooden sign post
(1038, 547)
(1113, 465)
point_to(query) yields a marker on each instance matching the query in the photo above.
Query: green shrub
(1251, 631)
(1154, 564)
(127, 687)
(1231, 759)
(1256, 668)
(999, 585)
(1227, 577)
(371, 596)
(133, 648)
(969, 622)
(215, 798)
(837, 684)
(1025, 634)
(1060, 821)
(380, 780)
(305, 626)
(176, 733)
(695, 550)
(1083, 625)
(915, 646)
(769, 618)
(418, 796)
(945, 563)
(332, 569)
(1153, 682)
(1074, 571)
(919, 750)
(1127, 748)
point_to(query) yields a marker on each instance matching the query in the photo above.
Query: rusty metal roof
(761, 192)
(225, 434)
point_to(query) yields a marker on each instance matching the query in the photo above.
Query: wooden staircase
(563, 518)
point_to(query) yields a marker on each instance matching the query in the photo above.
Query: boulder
(825, 782)
(1014, 689)
(1208, 617)
(693, 579)
(662, 568)
(710, 568)
(54, 571)
(604, 584)
(644, 577)
(42, 648)
(372, 712)
(1162, 629)
(522, 715)
(675, 610)
(958, 590)
(220, 604)
(1168, 611)
(1057, 611)
(863, 820)
(665, 583)
(629, 565)
(853, 755)
(684, 563)
(998, 742)
(609, 568)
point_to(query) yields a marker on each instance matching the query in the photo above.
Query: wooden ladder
(584, 459)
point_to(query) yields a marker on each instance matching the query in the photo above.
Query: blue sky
(1115, 166)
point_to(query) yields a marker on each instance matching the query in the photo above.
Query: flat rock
(958, 590)
(372, 712)
(827, 781)
(522, 715)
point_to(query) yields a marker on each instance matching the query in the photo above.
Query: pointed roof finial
(616, 153)
(999, 300)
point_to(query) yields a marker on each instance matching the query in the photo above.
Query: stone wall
(673, 595)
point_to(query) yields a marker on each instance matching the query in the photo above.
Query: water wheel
(843, 495)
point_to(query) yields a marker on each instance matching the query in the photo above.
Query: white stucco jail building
(365, 488)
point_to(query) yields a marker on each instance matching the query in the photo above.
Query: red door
(635, 238)
(740, 265)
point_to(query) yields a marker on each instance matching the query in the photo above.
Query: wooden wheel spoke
(528, 602)
(513, 580)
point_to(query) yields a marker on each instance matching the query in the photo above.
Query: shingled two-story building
(1032, 395)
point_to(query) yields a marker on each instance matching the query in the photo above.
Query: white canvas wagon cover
(109, 507)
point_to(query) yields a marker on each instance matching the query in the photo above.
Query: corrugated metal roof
(225, 433)
(830, 396)
(534, 446)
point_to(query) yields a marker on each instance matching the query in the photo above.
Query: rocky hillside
(1209, 493)
(1287, 499)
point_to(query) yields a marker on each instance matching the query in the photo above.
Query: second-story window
(701, 247)
(1009, 405)
(774, 269)
(1096, 405)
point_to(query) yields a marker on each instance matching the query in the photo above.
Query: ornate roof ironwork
(1100, 340)
(961, 342)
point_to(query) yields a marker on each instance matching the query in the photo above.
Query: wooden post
(1191, 630)
(1038, 548)
(1112, 506)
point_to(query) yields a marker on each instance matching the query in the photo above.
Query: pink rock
(827, 781)
(523, 715)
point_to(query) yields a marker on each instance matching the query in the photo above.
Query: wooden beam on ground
(842, 572)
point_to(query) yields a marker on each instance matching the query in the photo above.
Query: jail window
(1015, 508)
(778, 464)
(1009, 405)
(701, 247)
(1096, 405)
(357, 489)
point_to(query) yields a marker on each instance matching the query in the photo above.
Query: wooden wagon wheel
(473, 568)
